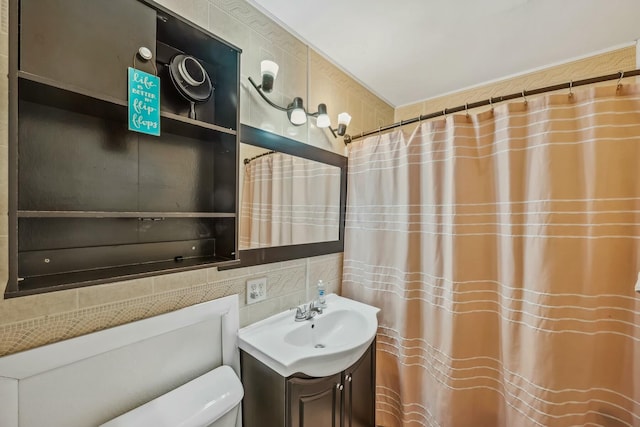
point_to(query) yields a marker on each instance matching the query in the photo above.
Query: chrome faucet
(307, 312)
(303, 314)
(314, 306)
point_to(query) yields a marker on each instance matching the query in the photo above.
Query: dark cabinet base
(314, 402)
(359, 380)
(346, 399)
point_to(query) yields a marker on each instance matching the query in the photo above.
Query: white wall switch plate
(256, 290)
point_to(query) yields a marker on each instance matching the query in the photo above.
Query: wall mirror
(292, 199)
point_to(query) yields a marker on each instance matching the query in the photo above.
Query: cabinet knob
(349, 378)
(339, 387)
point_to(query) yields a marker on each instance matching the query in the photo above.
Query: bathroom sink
(325, 345)
(337, 328)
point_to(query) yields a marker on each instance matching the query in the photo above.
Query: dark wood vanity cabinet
(346, 399)
(359, 392)
(90, 201)
(315, 402)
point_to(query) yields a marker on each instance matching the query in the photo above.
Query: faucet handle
(301, 313)
(315, 306)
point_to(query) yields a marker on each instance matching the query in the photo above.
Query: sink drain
(319, 345)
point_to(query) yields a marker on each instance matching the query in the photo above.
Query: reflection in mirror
(318, 200)
(287, 200)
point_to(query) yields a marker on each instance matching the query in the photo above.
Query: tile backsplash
(42, 319)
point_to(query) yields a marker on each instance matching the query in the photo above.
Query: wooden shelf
(181, 125)
(95, 260)
(107, 214)
(44, 91)
(76, 279)
(33, 88)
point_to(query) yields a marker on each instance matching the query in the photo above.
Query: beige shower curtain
(503, 249)
(288, 200)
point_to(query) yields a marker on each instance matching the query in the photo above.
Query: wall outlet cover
(256, 290)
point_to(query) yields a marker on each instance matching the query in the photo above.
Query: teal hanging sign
(144, 102)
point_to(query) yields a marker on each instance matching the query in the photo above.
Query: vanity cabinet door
(314, 402)
(87, 44)
(359, 387)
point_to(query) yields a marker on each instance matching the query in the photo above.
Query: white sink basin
(325, 345)
(335, 329)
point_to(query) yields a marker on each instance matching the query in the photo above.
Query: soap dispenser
(322, 290)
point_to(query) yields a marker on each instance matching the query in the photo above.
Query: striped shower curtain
(288, 200)
(503, 249)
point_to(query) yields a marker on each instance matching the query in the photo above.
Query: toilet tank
(211, 400)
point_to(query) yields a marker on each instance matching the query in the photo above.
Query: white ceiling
(407, 51)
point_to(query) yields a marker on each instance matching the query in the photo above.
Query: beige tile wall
(330, 85)
(32, 321)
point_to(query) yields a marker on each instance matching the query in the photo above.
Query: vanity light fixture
(296, 112)
(322, 119)
(343, 121)
(269, 72)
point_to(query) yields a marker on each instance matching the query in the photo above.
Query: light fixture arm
(267, 100)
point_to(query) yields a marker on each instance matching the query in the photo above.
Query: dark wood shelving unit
(90, 201)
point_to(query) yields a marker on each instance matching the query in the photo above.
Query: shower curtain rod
(619, 75)
(246, 161)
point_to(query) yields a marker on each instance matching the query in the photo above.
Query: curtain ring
(466, 109)
(620, 80)
(444, 113)
(491, 104)
(570, 88)
(524, 96)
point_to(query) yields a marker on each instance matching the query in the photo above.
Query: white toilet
(211, 400)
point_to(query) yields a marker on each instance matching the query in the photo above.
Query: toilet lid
(198, 403)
